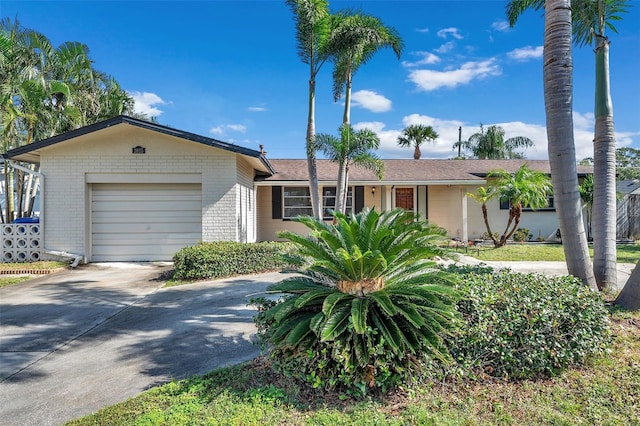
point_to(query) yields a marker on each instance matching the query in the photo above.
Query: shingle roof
(409, 170)
(123, 119)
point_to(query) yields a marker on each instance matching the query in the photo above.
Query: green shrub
(521, 326)
(227, 258)
(368, 308)
(521, 235)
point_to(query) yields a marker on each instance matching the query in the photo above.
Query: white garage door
(143, 222)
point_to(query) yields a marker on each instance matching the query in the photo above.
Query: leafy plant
(521, 326)
(368, 306)
(227, 258)
(521, 235)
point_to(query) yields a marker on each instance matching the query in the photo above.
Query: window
(296, 202)
(329, 201)
(505, 205)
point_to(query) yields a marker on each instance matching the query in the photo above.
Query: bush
(227, 258)
(520, 326)
(521, 235)
(368, 309)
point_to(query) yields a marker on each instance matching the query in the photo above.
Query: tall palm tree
(491, 144)
(355, 39)
(590, 18)
(313, 28)
(415, 135)
(558, 96)
(352, 148)
(586, 194)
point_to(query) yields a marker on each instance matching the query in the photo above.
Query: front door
(404, 198)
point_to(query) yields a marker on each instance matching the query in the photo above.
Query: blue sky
(230, 70)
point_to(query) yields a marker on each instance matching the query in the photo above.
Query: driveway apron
(74, 342)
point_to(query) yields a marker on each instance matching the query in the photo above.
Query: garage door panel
(135, 222)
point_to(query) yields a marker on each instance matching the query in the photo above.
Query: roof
(628, 186)
(408, 171)
(31, 152)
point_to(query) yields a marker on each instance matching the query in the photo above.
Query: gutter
(76, 257)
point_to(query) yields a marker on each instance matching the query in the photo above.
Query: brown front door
(404, 198)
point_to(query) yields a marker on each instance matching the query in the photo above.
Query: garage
(144, 222)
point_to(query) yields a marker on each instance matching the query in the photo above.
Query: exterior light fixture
(373, 190)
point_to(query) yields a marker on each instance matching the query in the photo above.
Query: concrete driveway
(76, 341)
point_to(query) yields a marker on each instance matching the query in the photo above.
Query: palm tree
(355, 39)
(352, 148)
(483, 195)
(558, 95)
(589, 20)
(313, 28)
(525, 188)
(493, 146)
(415, 135)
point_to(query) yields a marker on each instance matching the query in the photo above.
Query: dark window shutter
(358, 202)
(276, 202)
(504, 204)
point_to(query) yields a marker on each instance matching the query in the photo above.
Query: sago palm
(367, 294)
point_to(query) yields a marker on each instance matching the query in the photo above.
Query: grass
(39, 266)
(607, 392)
(7, 281)
(627, 253)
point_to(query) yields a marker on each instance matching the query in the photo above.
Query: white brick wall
(67, 195)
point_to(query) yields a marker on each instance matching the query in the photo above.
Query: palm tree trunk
(311, 151)
(485, 215)
(604, 174)
(416, 153)
(629, 297)
(340, 194)
(346, 117)
(558, 95)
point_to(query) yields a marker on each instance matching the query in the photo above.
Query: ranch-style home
(130, 190)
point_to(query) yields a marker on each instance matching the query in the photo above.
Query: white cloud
(526, 53)
(429, 80)
(257, 109)
(452, 31)
(222, 129)
(428, 58)
(146, 103)
(422, 30)
(446, 47)
(448, 135)
(371, 100)
(500, 25)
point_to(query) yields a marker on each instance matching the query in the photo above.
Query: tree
(491, 145)
(355, 39)
(46, 91)
(313, 29)
(525, 188)
(558, 96)
(589, 20)
(628, 163)
(586, 194)
(352, 148)
(415, 135)
(368, 301)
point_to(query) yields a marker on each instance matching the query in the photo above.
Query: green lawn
(627, 253)
(604, 393)
(7, 281)
(40, 266)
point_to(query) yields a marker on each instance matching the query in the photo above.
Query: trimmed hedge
(523, 326)
(227, 258)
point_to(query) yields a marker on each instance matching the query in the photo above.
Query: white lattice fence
(21, 242)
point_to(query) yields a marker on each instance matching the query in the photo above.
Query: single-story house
(130, 190)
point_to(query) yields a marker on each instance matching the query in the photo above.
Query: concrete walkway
(543, 267)
(74, 342)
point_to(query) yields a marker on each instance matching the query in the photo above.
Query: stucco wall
(67, 195)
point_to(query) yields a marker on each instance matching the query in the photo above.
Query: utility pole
(459, 141)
